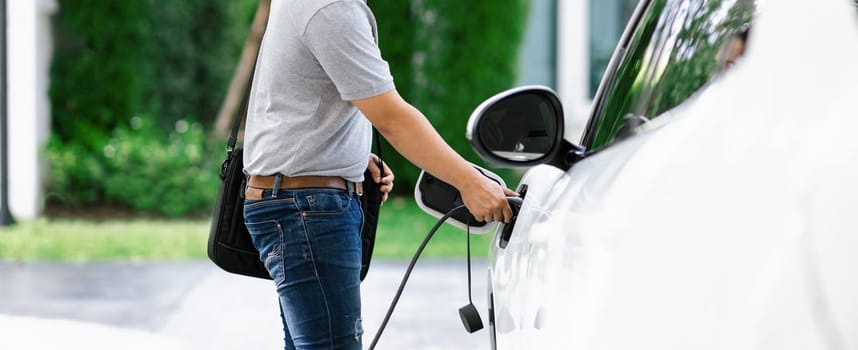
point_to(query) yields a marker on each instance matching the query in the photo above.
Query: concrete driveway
(195, 305)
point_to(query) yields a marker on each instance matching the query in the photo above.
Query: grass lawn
(401, 229)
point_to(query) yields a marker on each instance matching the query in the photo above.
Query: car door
(670, 52)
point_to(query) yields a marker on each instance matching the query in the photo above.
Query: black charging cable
(468, 249)
(468, 313)
(408, 273)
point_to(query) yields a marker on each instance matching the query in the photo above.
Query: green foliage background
(136, 85)
(446, 57)
(167, 60)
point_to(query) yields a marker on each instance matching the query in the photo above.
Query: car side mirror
(518, 127)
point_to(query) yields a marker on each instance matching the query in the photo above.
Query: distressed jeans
(309, 240)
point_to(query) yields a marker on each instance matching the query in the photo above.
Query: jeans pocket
(326, 202)
(267, 237)
(267, 204)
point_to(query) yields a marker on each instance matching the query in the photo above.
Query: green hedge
(446, 57)
(125, 77)
(136, 85)
(169, 60)
(141, 167)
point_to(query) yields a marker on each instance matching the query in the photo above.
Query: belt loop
(277, 180)
(358, 188)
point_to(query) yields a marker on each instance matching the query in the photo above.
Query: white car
(707, 205)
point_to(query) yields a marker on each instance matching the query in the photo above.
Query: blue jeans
(309, 240)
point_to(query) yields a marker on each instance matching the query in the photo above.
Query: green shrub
(139, 167)
(124, 76)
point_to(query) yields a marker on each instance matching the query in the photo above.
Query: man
(320, 81)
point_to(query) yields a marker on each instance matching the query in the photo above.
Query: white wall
(29, 55)
(573, 64)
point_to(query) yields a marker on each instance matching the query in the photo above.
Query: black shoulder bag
(230, 246)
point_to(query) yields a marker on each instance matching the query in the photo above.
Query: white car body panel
(731, 226)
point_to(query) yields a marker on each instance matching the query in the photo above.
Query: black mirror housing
(437, 198)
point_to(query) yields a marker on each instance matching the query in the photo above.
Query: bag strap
(241, 114)
(376, 137)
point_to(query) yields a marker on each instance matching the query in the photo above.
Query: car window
(677, 47)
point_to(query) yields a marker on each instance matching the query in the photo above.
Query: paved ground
(194, 305)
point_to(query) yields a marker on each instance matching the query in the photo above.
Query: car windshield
(677, 47)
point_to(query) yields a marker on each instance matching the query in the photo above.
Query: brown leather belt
(286, 182)
(257, 183)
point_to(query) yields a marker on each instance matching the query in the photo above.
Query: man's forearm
(411, 134)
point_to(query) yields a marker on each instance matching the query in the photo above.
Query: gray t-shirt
(316, 57)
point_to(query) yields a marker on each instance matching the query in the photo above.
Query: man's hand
(386, 181)
(486, 200)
